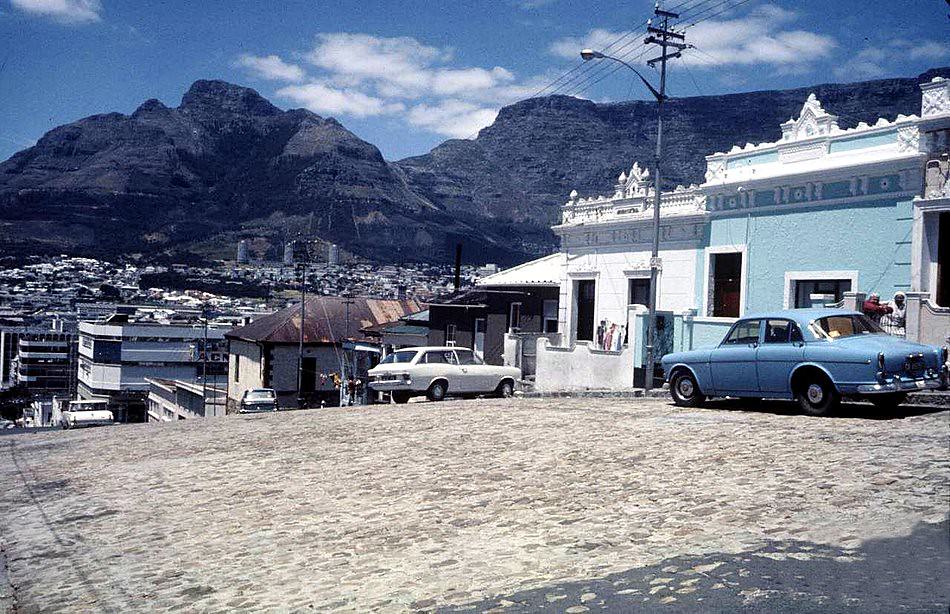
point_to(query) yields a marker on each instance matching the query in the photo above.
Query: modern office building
(46, 362)
(118, 354)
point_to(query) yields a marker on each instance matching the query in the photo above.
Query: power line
(632, 55)
(578, 85)
(631, 58)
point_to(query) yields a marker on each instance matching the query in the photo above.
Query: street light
(588, 55)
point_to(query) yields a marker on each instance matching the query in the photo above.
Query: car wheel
(401, 397)
(436, 391)
(888, 402)
(685, 390)
(818, 397)
(505, 389)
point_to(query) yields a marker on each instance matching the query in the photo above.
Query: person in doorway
(873, 308)
(895, 321)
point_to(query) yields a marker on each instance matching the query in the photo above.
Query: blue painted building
(820, 212)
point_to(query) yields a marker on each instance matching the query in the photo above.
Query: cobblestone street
(472, 505)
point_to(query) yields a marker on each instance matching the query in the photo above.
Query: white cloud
(758, 38)
(453, 118)
(356, 57)
(927, 50)
(322, 98)
(63, 11)
(597, 39)
(361, 75)
(270, 67)
(883, 59)
(761, 37)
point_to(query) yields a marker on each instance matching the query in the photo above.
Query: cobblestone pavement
(456, 505)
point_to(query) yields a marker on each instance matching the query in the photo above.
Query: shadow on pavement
(910, 574)
(847, 409)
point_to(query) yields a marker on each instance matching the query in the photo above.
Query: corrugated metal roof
(541, 272)
(325, 320)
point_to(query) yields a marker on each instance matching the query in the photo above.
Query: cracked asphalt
(567, 505)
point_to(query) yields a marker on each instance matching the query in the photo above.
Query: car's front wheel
(505, 389)
(437, 391)
(818, 397)
(888, 402)
(685, 390)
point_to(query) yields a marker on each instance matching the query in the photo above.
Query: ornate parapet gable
(935, 100)
(812, 121)
(813, 143)
(632, 200)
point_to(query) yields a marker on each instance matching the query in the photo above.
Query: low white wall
(582, 368)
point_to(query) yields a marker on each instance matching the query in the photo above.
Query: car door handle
(754, 344)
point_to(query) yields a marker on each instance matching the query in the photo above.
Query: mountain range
(190, 181)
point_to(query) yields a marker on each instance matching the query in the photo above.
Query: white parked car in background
(438, 371)
(79, 414)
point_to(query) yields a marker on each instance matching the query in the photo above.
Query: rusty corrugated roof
(325, 320)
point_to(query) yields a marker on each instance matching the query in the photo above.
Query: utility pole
(665, 39)
(303, 319)
(204, 362)
(344, 379)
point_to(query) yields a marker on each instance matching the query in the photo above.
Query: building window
(514, 317)
(820, 292)
(725, 275)
(107, 352)
(450, 334)
(237, 367)
(639, 291)
(585, 292)
(550, 316)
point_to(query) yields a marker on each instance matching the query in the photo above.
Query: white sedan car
(438, 371)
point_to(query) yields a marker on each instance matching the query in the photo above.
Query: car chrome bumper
(903, 385)
(388, 385)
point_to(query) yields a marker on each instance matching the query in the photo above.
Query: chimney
(458, 266)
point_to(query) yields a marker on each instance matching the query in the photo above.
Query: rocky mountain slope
(227, 164)
(524, 166)
(225, 159)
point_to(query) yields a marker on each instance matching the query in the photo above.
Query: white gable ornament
(812, 121)
(936, 97)
(908, 139)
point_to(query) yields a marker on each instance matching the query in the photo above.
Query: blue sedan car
(816, 356)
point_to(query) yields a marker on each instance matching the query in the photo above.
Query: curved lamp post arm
(590, 54)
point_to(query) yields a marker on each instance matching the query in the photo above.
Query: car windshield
(398, 357)
(848, 325)
(260, 395)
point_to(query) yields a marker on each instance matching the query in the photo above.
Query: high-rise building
(46, 362)
(289, 252)
(333, 255)
(242, 255)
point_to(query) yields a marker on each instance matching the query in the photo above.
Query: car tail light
(945, 355)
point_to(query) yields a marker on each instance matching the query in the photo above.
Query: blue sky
(407, 75)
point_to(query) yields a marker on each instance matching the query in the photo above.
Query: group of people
(891, 316)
